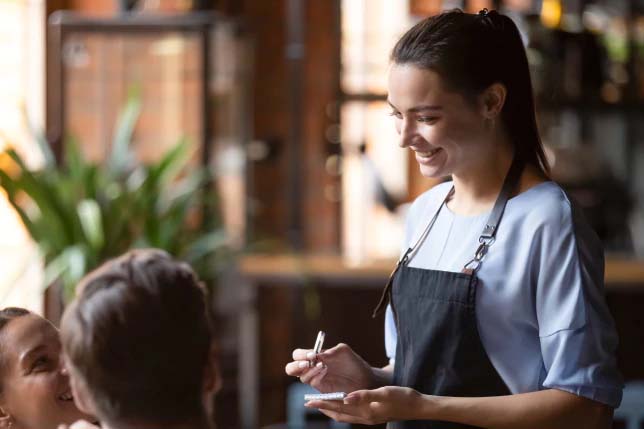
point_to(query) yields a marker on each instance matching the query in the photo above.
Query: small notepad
(335, 396)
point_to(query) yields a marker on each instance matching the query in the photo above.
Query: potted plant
(81, 213)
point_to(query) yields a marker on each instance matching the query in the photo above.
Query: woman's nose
(63, 368)
(406, 131)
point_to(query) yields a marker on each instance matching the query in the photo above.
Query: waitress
(495, 315)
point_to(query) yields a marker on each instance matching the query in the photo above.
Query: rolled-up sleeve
(576, 331)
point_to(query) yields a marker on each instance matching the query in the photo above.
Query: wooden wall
(273, 118)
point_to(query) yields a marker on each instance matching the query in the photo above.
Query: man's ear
(493, 100)
(212, 377)
(82, 397)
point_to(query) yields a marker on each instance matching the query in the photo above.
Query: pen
(317, 348)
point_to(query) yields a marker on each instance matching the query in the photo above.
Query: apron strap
(385, 298)
(486, 239)
(489, 232)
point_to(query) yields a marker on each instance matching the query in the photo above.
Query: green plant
(81, 213)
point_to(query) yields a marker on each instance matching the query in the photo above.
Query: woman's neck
(477, 189)
(477, 186)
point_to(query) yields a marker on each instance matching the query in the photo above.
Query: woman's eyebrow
(424, 107)
(419, 108)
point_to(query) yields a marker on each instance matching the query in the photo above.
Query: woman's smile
(428, 157)
(66, 396)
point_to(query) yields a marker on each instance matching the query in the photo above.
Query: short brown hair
(139, 336)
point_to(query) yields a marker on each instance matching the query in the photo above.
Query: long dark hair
(470, 53)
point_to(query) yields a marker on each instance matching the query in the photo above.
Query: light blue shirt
(540, 308)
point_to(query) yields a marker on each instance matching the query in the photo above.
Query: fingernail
(310, 355)
(349, 400)
(307, 404)
(319, 365)
(303, 364)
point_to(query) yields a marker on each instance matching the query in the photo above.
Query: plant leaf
(119, 159)
(89, 214)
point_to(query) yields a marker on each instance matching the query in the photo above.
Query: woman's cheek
(432, 134)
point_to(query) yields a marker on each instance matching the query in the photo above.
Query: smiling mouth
(66, 397)
(428, 154)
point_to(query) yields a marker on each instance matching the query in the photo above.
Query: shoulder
(553, 221)
(547, 215)
(545, 205)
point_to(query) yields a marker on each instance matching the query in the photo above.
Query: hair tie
(491, 18)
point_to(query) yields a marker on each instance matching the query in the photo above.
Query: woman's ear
(493, 100)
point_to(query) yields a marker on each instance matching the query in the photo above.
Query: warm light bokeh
(21, 103)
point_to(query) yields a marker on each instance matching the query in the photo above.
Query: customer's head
(34, 387)
(138, 342)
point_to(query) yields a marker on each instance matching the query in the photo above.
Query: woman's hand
(338, 369)
(370, 407)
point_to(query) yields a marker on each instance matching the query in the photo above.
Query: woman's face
(445, 131)
(35, 387)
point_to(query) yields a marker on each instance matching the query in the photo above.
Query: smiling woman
(34, 386)
(495, 313)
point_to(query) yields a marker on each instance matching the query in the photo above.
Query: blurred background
(252, 139)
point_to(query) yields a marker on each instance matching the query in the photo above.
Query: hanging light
(551, 11)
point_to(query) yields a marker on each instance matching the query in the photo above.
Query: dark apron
(439, 350)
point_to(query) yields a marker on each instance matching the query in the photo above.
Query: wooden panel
(267, 21)
(322, 69)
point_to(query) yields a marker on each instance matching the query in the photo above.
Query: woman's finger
(345, 418)
(311, 373)
(336, 406)
(300, 354)
(298, 368)
(316, 380)
(362, 396)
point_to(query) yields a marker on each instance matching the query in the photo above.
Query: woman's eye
(40, 364)
(427, 119)
(396, 114)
